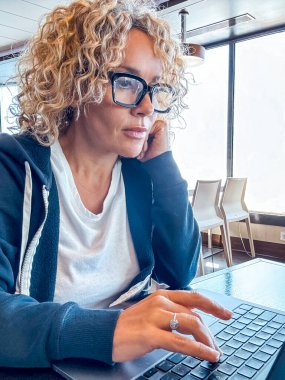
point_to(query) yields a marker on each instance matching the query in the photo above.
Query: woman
(93, 209)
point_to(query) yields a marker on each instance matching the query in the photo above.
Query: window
(259, 133)
(200, 148)
(8, 90)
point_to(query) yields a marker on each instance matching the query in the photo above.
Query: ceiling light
(193, 54)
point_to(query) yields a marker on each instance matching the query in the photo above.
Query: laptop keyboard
(248, 341)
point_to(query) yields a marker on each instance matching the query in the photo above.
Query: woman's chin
(131, 153)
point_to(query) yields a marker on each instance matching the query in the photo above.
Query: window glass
(200, 148)
(8, 90)
(259, 125)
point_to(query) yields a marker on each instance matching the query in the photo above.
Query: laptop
(253, 343)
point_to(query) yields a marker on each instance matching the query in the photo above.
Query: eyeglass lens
(129, 91)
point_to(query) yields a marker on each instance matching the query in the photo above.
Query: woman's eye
(125, 83)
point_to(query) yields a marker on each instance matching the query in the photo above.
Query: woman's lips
(135, 133)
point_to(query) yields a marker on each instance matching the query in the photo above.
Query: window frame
(255, 217)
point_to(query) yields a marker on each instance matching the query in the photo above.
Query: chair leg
(201, 271)
(210, 246)
(247, 222)
(227, 246)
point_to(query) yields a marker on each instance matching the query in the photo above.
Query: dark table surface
(259, 281)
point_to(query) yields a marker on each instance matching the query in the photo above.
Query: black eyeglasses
(128, 90)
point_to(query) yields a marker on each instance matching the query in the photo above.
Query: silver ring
(174, 324)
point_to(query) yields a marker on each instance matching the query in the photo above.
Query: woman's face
(113, 129)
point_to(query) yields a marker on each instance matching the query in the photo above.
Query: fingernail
(228, 312)
(217, 356)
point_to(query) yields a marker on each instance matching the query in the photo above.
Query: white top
(96, 257)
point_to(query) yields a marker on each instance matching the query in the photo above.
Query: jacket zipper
(25, 278)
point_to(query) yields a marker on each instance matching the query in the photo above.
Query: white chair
(233, 207)
(207, 213)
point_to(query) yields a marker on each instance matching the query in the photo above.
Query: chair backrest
(206, 199)
(233, 195)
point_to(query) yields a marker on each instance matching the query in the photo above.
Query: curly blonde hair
(66, 64)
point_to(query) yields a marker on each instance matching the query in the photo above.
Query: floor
(214, 259)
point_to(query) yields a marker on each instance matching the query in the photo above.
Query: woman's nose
(145, 107)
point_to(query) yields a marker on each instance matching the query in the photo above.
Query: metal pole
(183, 14)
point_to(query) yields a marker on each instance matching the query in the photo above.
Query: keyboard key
(238, 325)
(189, 377)
(256, 310)
(250, 347)
(231, 330)
(234, 343)
(279, 336)
(220, 341)
(181, 369)
(254, 326)
(227, 350)
(222, 359)
(275, 343)
(269, 330)
(226, 369)
(282, 331)
(267, 315)
(223, 335)
(261, 356)
(191, 362)
(260, 322)
(244, 320)
(263, 335)
(268, 349)
(235, 361)
(240, 310)
(150, 372)
(243, 354)
(228, 322)
(274, 325)
(200, 372)
(250, 315)
(176, 358)
(170, 376)
(237, 376)
(257, 341)
(210, 366)
(165, 365)
(247, 371)
(254, 363)
(217, 327)
(246, 307)
(217, 376)
(242, 338)
(279, 318)
(248, 332)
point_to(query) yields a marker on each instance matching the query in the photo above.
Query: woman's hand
(145, 326)
(157, 141)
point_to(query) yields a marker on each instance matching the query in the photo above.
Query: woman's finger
(209, 331)
(190, 325)
(179, 343)
(196, 300)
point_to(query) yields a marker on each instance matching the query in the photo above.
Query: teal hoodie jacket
(34, 330)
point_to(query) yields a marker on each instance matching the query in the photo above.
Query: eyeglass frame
(146, 89)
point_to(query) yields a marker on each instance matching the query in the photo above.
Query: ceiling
(266, 15)
(19, 19)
